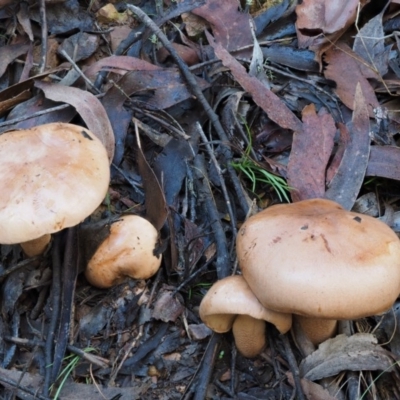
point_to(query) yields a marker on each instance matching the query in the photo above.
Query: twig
(193, 275)
(43, 47)
(39, 113)
(10, 382)
(221, 178)
(293, 367)
(91, 358)
(69, 274)
(207, 366)
(198, 94)
(79, 71)
(22, 264)
(223, 263)
(54, 316)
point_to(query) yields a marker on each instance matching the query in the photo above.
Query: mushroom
(230, 304)
(320, 262)
(52, 177)
(128, 251)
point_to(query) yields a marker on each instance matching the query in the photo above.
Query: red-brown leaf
(88, 107)
(275, 108)
(310, 154)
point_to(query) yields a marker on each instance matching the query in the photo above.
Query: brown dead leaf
(33, 105)
(156, 206)
(10, 53)
(194, 25)
(370, 44)
(315, 17)
(117, 35)
(70, 390)
(313, 391)
(344, 140)
(167, 307)
(12, 101)
(119, 65)
(23, 19)
(275, 108)
(384, 161)
(171, 167)
(66, 18)
(88, 107)
(231, 28)
(79, 46)
(345, 70)
(345, 186)
(18, 93)
(199, 331)
(52, 59)
(359, 352)
(310, 154)
(157, 89)
(188, 55)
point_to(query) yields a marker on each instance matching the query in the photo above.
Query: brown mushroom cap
(127, 251)
(231, 296)
(315, 259)
(52, 177)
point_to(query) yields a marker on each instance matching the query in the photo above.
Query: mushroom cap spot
(52, 177)
(128, 251)
(232, 296)
(315, 259)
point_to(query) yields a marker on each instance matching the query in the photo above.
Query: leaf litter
(302, 97)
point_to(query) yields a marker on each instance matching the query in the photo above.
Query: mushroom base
(249, 334)
(316, 329)
(37, 246)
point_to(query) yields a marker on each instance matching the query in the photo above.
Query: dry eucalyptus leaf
(370, 44)
(367, 204)
(355, 353)
(167, 307)
(199, 331)
(10, 53)
(348, 70)
(384, 161)
(88, 107)
(311, 150)
(276, 109)
(313, 391)
(325, 16)
(346, 184)
(233, 35)
(156, 206)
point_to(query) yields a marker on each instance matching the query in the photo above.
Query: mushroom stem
(249, 334)
(316, 329)
(37, 246)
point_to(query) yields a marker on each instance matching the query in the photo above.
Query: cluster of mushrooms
(63, 177)
(310, 261)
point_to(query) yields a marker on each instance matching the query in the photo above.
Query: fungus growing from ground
(128, 251)
(230, 304)
(52, 177)
(321, 263)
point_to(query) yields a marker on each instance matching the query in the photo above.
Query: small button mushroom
(320, 262)
(230, 304)
(52, 177)
(128, 251)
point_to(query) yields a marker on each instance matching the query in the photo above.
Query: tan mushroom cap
(52, 177)
(315, 259)
(230, 304)
(128, 251)
(232, 296)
